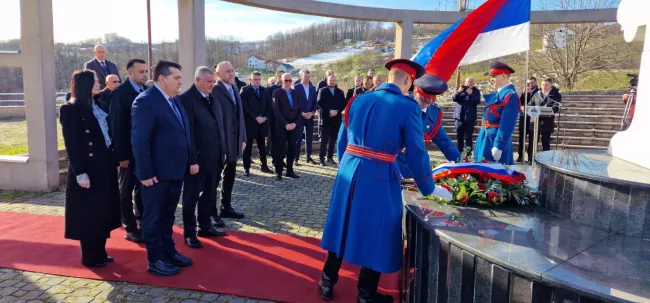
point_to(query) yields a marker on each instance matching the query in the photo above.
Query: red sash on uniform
(365, 152)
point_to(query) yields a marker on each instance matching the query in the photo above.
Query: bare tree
(571, 50)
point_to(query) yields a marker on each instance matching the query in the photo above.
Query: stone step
(449, 111)
(583, 141)
(587, 133)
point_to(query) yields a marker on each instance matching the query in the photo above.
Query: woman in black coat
(92, 208)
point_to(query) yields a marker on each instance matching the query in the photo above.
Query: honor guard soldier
(494, 142)
(364, 223)
(426, 89)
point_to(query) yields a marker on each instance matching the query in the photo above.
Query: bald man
(331, 101)
(101, 66)
(112, 81)
(225, 92)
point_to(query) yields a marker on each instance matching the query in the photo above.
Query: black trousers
(546, 142)
(464, 134)
(520, 148)
(249, 150)
(269, 139)
(328, 139)
(284, 144)
(227, 174)
(198, 189)
(160, 200)
(368, 278)
(306, 125)
(93, 251)
(128, 185)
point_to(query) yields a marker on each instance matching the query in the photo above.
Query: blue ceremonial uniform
(433, 131)
(364, 223)
(499, 120)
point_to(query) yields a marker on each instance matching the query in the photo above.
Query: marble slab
(595, 165)
(618, 268)
(530, 243)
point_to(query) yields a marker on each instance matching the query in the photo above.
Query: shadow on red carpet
(264, 266)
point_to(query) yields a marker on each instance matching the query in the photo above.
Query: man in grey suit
(225, 92)
(101, 66)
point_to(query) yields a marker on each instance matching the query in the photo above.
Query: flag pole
(524, 150)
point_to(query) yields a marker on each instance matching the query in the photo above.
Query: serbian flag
(496, 28)
(492, 171)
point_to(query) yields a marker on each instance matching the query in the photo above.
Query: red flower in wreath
(445, 186)
(464, 199)
(466, 159)
(485, 161)
(481, 186)
(493, 197)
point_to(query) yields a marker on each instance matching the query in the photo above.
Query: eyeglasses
(288, 80)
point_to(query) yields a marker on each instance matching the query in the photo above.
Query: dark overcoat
(91, 213)
(554, 100)
(255, 106)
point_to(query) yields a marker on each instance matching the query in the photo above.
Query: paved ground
(296, 207)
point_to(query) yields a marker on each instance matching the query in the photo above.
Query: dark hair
(163, 68)
(255, 73)
(366, 78)
(132, 62)
(533, 78)
(549, 80)
(81, 87)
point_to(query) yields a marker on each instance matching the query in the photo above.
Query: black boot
(367, 286)
(326, 287)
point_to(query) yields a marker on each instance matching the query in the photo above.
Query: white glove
(496, 154)
(442, 193)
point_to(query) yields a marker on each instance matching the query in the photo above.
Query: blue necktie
(232, 95)
(178, 113)
(257, 92)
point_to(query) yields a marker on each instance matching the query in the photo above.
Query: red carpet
(264, 266)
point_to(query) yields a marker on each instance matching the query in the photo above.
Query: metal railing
(6, 98)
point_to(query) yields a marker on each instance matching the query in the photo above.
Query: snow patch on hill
(326, 58)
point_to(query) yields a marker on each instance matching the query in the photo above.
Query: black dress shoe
(109, 259)
(135, 237)
(179, 260)
(247, 172)
(231, 213)
(326, 289)
(322, 162)
(94, 265)
(162, 268)
(278, 178)
(296, 163)
(266, 169)
(292, 175)
(193, 242)
(374, 298)
(310, 160)
(217, 222)
(212, 232)
(331, 160)
(519, 159)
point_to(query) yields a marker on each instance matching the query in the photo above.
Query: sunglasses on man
(288, 80)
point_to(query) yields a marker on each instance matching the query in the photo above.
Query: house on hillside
(558, 39)
(256, 62)
(284, 67)
(272, 65)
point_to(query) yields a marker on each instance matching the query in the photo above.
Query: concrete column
(191, 38)
(404, 39)
(39, 170)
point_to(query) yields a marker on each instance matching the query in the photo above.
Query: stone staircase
(586, 121)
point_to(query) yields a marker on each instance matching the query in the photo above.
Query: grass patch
(8, 195)
(13, 137)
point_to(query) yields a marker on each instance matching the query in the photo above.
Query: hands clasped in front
(290, 126)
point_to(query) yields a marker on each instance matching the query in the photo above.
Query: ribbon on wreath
(484, 171)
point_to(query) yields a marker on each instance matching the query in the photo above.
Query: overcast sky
(128, 18)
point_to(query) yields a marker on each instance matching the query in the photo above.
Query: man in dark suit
(160, 138)
(467, 99)
(225, 92)
(101, 66)
(206, 157)
(323, 83)
(357, 84)
(331, 100)
(112, 81)
(531, 90)
(269, 92)
(120, 121)
(286, 107)
(307, 94)
(256, 115)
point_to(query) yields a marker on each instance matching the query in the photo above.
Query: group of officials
(163, 142)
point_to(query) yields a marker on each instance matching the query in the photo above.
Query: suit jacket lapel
(101, 70)
(224, 91)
